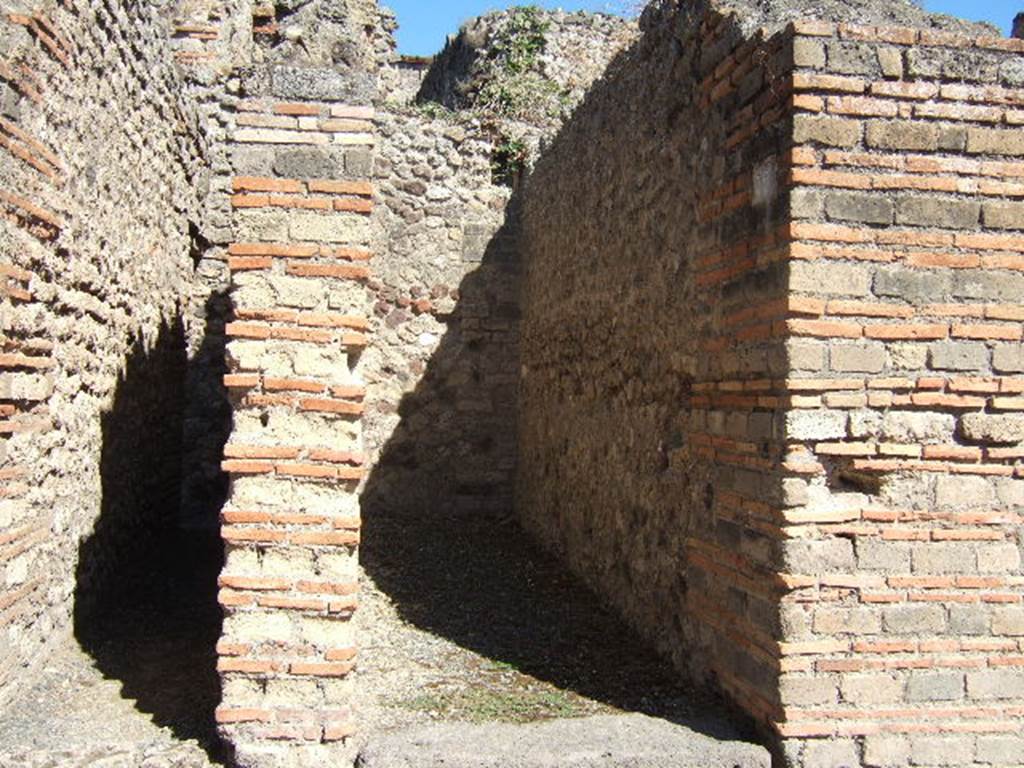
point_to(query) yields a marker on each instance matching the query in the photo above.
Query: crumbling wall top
(774, 14)
(525, 63)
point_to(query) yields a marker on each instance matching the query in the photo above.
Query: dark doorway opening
(146, 581)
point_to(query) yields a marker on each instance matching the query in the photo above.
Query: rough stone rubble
(726, 308)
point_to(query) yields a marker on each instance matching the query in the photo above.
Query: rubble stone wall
(443, 367)
(654, 239)
(101, 171)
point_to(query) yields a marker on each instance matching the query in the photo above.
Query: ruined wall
(902, 629)
(575, 51)
(441, 371)
(444, 361)
(100, 172)
(784, 437)
(654, 229)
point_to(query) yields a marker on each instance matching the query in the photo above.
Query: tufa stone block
(995, 685)
(958, 356)
(859, 207)
(914, 619)
(1002, 429)
(886, 751)
(895, 134)
(942, 750)
(1001, 750)
(829, 131)
(815, 425)
(935, 686)
(938, 212)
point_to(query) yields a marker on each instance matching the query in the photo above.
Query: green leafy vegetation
(509, 159)
(515, 85)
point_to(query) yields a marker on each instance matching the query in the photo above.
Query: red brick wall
(847, 462)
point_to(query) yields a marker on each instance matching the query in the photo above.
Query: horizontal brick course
(298, 318)
(916, 182)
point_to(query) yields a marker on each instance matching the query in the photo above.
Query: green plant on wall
(515, 85)
(509, 159)
(523, 39)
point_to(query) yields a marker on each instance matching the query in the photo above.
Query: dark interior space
(146, 598)
(440, 536)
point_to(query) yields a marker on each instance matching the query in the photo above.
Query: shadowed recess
(145, 598)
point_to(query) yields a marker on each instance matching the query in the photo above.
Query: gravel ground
(138, 687)
(464, 618)
(478, 626)
(75, 716)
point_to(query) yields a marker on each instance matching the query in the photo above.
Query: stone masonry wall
(100, 175)
(803, 447)
(577, 48)
(903, 622)
(654, 247)
(441, 419)
(746, 348)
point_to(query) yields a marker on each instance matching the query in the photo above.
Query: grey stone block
(853, 59)
(938, 212)
(942, 750)
(1011, 72)
(857, 358)
(1001, 750)
(830, 131)
(321, 84)
(359, 162)
(859, 207)
(995, 685)
(1008, 621)
(807, 691)
(935, 686)
(1001, 429)
(823, 556)
(815, 425)
(1004, 215)
(963, 492)
(958, 356)
(943, 557)
(871, 689)
(834, 279)
(309, 163)
(889, 556)
(918, 427)
(969, 619)
(913, 286)
(1008, 358)
(841, 753)
(808, 53)
(897, 134)
(914, 619)
(974, 284)
(595, 742)
(886, 751)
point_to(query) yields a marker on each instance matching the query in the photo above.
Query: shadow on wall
(146, 587)
(440, 534)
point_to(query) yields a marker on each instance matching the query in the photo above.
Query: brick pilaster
(291, 526)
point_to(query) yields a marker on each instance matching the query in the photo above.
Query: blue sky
(425, 23)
